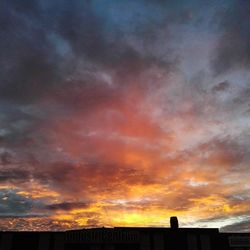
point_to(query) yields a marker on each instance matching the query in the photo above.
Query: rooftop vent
(174, 222)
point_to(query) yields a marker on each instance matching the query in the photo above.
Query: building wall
(125, 239)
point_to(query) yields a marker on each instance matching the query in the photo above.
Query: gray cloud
(42, 50)
(5, 158)
(14, 175)
(12, 204)
(66, 206)
(222, 86)
(241, 226)
(233, 51)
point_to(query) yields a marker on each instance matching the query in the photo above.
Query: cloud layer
(124, 113)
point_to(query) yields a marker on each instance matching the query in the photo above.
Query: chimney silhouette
(174, 222)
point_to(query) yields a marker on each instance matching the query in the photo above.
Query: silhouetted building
(127, 238)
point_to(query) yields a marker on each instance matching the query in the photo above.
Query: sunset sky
(124, 113)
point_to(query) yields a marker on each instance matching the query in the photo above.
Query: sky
(124, 113)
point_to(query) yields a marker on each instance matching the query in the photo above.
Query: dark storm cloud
(241, 226)
(14, 175)
(29, 59)
(78, 24)
(67, 206)
(5, 158)
(42, 43)
(29, 65)
(59, 174)
(222, 86)
(12, 204)
(17, 126)
(233, 50)
(20, 216)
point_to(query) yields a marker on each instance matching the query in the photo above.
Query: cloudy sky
(124, 113)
